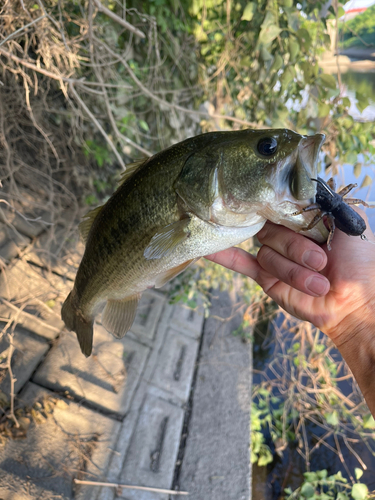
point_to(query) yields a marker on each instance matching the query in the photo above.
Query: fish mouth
(301, 185)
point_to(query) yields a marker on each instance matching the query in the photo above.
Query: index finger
(293, 246)
(243, 262)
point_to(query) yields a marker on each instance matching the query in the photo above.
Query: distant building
(349, 14)
(355, 7)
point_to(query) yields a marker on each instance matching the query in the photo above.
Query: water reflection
(364, 84)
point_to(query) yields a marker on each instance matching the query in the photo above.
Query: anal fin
(118, 315)
(163, 278)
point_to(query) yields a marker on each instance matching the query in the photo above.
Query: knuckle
(262, 235)
(293, 275)
(264, 254)
(291, 247)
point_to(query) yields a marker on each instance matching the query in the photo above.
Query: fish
(200, 196)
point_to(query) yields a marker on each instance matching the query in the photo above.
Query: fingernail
(313, 259)
(317, 285)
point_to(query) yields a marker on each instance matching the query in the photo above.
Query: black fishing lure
(337, 210)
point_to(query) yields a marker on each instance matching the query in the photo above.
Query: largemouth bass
(195, 198)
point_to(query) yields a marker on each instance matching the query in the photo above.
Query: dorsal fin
(130, 169)
(88, 219)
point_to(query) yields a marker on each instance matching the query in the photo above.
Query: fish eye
(267, 146)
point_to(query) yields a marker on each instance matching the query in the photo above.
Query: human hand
(334, 290)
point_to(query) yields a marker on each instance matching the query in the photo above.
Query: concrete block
(28, 351)
(189, 321)
(153, 450)
(148, 314)
(64, 441)
(33, 297)
(129, 423)
(107, 379)
(175, 366)
(216, 458)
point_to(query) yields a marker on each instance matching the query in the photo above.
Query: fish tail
(74, 320)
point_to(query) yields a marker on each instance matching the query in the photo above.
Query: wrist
(355, 339)
(359, 323)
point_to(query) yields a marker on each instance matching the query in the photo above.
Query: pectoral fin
(163, 278)
(167, 239)
(118, 315)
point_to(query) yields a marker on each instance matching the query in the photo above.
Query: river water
(269, 482)
(365, 84)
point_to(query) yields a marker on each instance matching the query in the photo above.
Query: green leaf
(362, 101)
(340, 12)
(368, 421)
(310, 476)
(357, 172)
(339, 476)
(143, 125)
(277, 63)
(327, 40)
(359, 491)
(265, 55)
(265, 459)
(293, 49)
(268, 34)
(358, 473)
(328, 81)
(367, 181)
(332, 418)
(287, 76)
(307, 491)
(323, 110)
(304, 38)
(342, 496)
(269, 30)
(248, 13)
(322, 474)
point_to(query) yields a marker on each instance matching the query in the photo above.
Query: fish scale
(197, 197)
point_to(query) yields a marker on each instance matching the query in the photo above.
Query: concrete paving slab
(153, 450)
(176, 363)
(216, 459)
(64, 441)
(107, 379)
(187, 320)
(28, 351)
(130, 421)
(28, 292)
(148, 314)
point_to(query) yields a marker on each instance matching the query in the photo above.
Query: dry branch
(97, 124)
(118, 19)
(167, 104)
(127, 486)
